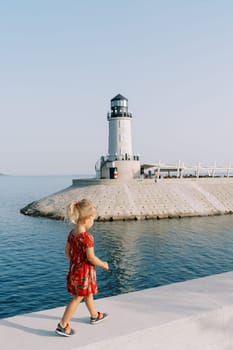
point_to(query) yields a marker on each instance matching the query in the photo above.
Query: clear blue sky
(62, 61)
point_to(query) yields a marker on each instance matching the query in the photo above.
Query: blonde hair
(80, 210)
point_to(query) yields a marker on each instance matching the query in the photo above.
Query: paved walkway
(192, 315)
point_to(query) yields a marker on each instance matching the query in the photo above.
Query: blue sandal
(100, 317)
(64, 331)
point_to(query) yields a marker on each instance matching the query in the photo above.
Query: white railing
(179, 170)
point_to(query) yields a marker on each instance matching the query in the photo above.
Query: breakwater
(137, 199)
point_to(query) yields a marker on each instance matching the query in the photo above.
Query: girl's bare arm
(94, 260)
(68, 251)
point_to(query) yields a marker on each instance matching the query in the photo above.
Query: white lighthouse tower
(120, 162)
(119, 137)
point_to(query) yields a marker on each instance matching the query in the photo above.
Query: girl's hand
(105, 266)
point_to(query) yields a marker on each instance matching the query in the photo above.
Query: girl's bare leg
(89, 301)
(70, 310)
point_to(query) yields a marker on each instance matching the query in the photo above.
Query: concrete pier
(192, 315)
(137, 199)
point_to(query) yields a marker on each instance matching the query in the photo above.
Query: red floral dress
(81, 278)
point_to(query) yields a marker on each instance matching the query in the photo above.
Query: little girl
(81, 278)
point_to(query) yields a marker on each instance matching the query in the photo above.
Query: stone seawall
(142, 198)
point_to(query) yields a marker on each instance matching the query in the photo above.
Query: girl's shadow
(40, 332)
(85, 320)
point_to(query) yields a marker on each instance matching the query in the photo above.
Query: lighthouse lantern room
(120, 162)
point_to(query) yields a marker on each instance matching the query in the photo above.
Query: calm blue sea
(141, 254)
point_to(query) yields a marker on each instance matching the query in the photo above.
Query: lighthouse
(120, 162)
(119, 136)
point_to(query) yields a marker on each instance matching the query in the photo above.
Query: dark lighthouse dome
(119, 97)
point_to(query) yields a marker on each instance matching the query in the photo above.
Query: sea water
(141, 254)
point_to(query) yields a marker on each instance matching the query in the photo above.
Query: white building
(120, 162)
